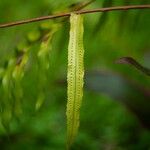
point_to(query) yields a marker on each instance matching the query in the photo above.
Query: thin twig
(134, 63)
(77, 12)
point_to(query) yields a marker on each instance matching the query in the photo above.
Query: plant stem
(122, 8)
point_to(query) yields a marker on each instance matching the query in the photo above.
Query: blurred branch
(77, 12)
(134, 63)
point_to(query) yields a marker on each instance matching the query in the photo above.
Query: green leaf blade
(75, 76)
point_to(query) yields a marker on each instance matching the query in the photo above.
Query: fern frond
(74, 77)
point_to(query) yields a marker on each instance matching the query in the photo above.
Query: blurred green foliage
(115, 114)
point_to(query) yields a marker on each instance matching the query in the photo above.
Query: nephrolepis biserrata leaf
(75, 76)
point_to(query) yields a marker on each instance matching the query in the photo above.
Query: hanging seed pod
(44, 61)
(6, 101)
(74, 77)
(17, 75)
